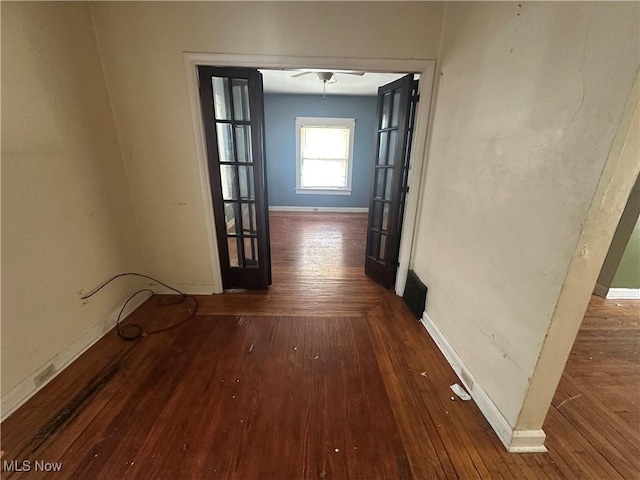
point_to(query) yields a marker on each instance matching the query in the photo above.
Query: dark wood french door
(233, 115)
(396, 113)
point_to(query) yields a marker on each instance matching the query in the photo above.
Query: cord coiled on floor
(133, 331)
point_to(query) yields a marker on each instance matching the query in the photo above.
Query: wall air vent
(415, 294)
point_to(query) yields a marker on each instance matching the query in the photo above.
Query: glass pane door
(232, 107)
(392, 150)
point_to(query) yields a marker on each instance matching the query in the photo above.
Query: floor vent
(415, 294)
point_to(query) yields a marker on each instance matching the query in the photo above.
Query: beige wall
(142, 47)
(67, 218)
(529, 100)
(616, 182)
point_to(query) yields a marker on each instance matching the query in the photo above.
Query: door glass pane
(250, 252)
(382, 152)
(240, 88)
(246, 183)
(230, 216)
(385, 217)
(389, 184)
(243, 143)
(383, 247)
(396, 108)
(228, 181)
(249, 218)
(374, 244)
(393, 138)
(379, 191)
(377, 215)
(386, 110)
(225, 142)
(221, 98)
(234, 251)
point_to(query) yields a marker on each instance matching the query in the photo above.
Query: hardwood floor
(317, 378)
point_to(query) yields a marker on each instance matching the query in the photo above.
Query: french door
(396, 113)
(233, 117)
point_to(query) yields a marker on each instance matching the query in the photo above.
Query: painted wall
(280, 114)
(142, 45)
(628, 274)
(67, 216)
(526, 112)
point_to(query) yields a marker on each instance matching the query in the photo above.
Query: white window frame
(324, 122)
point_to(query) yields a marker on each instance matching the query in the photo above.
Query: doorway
(339, 142)
(426, 69)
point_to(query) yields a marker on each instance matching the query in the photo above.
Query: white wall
(142, 45)
(529, 100)
(67, 217)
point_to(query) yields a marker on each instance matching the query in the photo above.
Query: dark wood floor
(317, 378)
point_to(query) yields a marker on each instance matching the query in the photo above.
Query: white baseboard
(26, 389)
(515, 441)
(601, 290)
(527, 441)
(624, 293)
(320, 209)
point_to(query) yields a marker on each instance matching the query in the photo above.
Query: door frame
(425, 68)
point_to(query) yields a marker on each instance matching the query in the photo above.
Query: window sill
(323, 191)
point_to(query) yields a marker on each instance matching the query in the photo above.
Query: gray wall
(280, 113)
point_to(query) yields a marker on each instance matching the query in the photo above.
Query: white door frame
(426, 69)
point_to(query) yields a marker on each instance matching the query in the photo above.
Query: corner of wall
(118, 129)
(515, 441)
(14, 398)
(67, 207)
(611, 195)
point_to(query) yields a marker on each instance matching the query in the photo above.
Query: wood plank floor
(318, 378)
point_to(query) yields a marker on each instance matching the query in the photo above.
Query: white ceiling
(281, 81)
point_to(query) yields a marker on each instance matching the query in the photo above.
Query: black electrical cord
(133, 331)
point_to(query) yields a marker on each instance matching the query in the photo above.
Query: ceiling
(281, 81)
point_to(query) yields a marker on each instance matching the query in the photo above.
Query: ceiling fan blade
(353, 73)
(300, 74)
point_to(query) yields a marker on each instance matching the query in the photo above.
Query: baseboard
(624, 293)
(320, 209)
(527, 441)
(26, 389)
(601, 290)
(515, 441)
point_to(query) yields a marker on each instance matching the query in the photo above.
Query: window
(325, 155)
